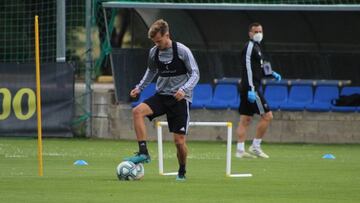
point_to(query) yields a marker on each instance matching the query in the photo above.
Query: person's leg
(139, 113)
(241, 131)
(243, 126)
(261, 129)
(178, 121)
(263, 125)
(181, 147)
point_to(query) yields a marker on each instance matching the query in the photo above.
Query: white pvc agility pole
(228, 147)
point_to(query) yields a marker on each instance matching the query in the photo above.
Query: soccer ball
(140, 171)
(126, 170)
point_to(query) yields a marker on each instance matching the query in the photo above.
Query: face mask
(258, 37)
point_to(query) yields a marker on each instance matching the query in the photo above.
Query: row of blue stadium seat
(315, 83)
(289, 82)
(225, 96)
(301, 97)
(279, 97)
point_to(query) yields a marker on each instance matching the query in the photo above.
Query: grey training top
(170, 85)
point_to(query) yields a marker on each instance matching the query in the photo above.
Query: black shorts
(177, 112)
(260, 106)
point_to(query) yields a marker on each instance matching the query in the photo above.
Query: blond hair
(159, 26)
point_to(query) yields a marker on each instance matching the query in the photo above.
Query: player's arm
(251, 90)
(147, 78)
(276, 75)
(268, 71)
(248, 64)
(149, 75)
(145, 81)
(192, 70)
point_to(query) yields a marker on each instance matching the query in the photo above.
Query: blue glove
(251, 96)
(276, 75)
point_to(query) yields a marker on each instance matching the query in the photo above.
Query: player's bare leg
(261, 129)
(139, 113)
(263, 125)
(243, 126)
(241, 131)
(180, 143)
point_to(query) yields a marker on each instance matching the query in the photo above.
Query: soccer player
(178, 74)
(252, 100)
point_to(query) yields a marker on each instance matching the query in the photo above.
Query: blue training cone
(328, 156)
(80, 163)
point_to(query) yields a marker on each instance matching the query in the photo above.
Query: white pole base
(240, 175)
(169, 174)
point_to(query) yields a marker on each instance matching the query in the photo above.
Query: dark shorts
(249, 109)
(177, 112)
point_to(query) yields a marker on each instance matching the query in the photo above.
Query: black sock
(182, 170)
(142, 147)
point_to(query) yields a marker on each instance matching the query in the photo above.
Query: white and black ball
(126, 170)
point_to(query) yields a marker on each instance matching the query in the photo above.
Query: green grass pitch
(294, 173)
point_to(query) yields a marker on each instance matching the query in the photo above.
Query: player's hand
(276, 75)
(251, 96)
(179, 95)
(135, 92)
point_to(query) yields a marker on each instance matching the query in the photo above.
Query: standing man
(178, 75)
(252, 100)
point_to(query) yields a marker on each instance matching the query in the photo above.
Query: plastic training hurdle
(229, 125)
